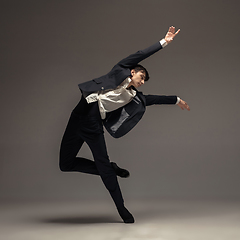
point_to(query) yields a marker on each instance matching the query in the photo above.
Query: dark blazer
(119, 72)
(122, 120)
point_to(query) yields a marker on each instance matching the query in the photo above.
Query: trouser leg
(77, 132)
(108, 175)
(92, 134)
(98, 148)
(70, 146)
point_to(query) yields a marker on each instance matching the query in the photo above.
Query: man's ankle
(120, 171)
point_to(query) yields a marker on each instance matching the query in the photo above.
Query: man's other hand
(171, 34)
(183, 105)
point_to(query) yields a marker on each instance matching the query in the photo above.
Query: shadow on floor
(80, 220)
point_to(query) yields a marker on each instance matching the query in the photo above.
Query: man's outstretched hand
(171, 34)
(183, 105)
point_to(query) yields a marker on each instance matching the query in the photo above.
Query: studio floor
(91, 220)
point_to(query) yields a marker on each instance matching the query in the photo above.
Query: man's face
(138, 78)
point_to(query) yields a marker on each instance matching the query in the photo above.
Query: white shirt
(111, 100)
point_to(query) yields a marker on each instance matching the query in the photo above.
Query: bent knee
(63, 166)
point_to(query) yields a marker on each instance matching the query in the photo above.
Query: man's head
(139, 75)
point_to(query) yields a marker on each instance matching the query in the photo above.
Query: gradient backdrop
(49, 46)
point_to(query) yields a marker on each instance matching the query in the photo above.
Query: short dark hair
(138, 68)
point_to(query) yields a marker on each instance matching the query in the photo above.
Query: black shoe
(126, 216)
(120, 171)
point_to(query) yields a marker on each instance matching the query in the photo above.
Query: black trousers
(88, 128)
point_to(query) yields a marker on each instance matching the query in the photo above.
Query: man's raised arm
(137, 57)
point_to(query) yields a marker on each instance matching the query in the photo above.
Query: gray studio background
(48, 47)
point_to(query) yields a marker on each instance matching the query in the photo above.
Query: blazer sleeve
(160, 99)
(140, 55)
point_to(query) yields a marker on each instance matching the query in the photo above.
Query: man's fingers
(186, 106)
(171, 30)
(177, 31)
(180, 105)
(183, 105)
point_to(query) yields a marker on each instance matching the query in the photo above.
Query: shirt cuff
(92, 98)
(178, 100)
(163, 43)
